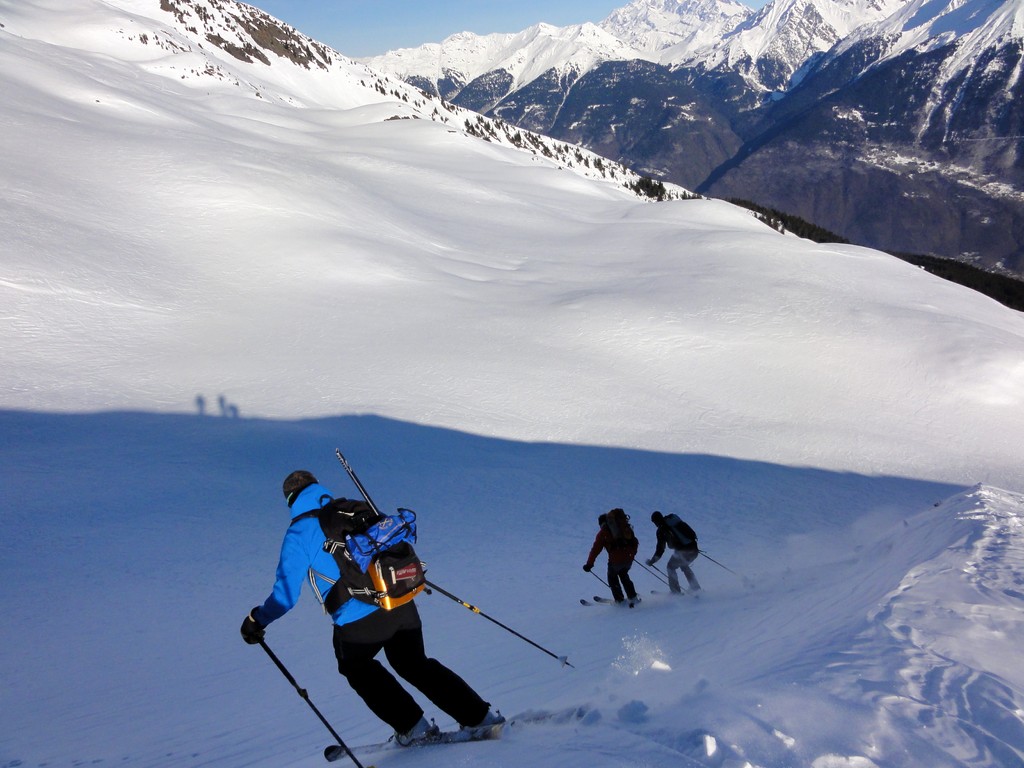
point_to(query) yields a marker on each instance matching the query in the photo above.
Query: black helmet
(295, 483)
(656, 517)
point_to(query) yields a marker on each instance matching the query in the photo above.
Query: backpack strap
(304, 515)
(340, 593)
(321, 597)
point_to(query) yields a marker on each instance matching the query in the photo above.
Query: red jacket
(617, 555)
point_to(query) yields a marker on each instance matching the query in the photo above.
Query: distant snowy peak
(673, 28)
(765, 47)
(768, 48)
(465, 54)
(579, 47)
(524, 55)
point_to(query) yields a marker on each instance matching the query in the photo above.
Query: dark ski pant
(399, 634)
(618, 579)
(681, 559)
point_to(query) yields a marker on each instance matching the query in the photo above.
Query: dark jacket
(667, 538)
(618, 553)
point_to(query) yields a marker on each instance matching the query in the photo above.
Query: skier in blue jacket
(362, 630)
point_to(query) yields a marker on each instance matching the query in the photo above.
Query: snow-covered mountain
(518, 59)
(973, 55)
(768, 48)
(765, 48)
(974, 28)
(674, 29)
(927, 105)
(227, 250)
(928, 91)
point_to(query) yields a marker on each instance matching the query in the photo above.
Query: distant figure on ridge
(616, 535)
(681, 539)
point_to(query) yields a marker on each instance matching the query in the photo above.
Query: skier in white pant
(681, 539)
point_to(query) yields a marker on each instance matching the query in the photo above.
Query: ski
(336, 752)
(584, 715)
(606, 601)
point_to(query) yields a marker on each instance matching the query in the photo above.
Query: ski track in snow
(945, 633)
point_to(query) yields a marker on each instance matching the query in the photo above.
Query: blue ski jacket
(303, 559)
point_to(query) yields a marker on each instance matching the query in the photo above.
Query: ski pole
(658, 570)
(746, 582)
(563, 659)
(653, 573)
(331, 753)
(599, 579)
(355, 479)
(709, 557)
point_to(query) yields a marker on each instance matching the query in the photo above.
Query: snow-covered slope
(234, 50)
(882, 627)
(212, 200)
(198, 44)
(216, 270)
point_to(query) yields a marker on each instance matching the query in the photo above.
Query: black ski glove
(252, 630)
(587, 568)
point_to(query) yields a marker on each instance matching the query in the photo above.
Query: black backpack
(684, 536)
(374, 553)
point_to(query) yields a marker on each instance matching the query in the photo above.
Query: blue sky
(368, 27)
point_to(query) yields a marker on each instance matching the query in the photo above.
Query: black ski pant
(618, 579)
(681, 559)
(399, 634)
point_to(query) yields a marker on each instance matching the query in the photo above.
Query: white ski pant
(681, 559)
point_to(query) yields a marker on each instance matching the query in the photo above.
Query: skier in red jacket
(616, 535)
